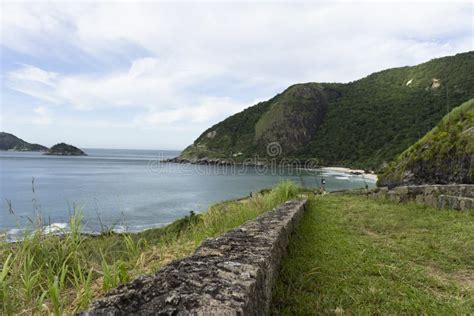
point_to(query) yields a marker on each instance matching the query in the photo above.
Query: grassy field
(351, 255)
(48, 274)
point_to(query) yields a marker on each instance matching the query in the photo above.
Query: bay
(130, 190)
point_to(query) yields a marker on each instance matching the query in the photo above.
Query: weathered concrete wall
(229, 275)
(455, 196)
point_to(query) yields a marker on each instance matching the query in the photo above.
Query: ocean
(130, 190)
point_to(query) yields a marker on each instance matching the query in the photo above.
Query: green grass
(48, 274)
(351, 255)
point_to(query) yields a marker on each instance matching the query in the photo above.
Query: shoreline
(363, 173)
(226, 162)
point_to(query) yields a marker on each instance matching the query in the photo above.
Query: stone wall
(229, 275)
(455, 196)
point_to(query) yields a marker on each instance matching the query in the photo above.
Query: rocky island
(63, 149)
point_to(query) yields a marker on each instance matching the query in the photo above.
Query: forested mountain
(363, 124)
(11, 142)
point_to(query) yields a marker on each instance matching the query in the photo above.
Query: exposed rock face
(293, 120)
(229, 275)
(435, 83)
(211, 134)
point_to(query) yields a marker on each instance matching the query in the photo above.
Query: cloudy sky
(154, 75)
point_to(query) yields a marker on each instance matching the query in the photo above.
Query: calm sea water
(128, 189)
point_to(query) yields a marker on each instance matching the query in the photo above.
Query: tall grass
(61, 274)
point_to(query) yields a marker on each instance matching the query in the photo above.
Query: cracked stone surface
(232, 274)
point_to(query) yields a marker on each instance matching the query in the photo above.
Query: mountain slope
(359, 124)
(444, 155)
(11, 142)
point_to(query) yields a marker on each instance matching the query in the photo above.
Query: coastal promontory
(11, 142)
(364, 124)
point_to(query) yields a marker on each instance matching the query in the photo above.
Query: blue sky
(154, 75)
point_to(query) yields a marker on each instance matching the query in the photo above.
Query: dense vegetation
(11, 142)
(63, 149)
(359, 124)
(51, 274)
(444, 155)
(353, 256)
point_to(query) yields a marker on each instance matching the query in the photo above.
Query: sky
(155, 75)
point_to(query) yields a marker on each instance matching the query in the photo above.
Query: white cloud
(42, 117)
(35, 74)
(142, 67)
(207, 109)
(33, 81)
(195, 63)
(269, 40)
(154, 89)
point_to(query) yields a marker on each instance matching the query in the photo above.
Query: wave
(18, 234)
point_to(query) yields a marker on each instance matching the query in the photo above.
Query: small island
(63, 149)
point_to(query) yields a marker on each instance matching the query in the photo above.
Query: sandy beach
(369, 176)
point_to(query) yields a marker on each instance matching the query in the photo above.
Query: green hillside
(442, 156)
(11, 142)
(63, 149)
(359, 124)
